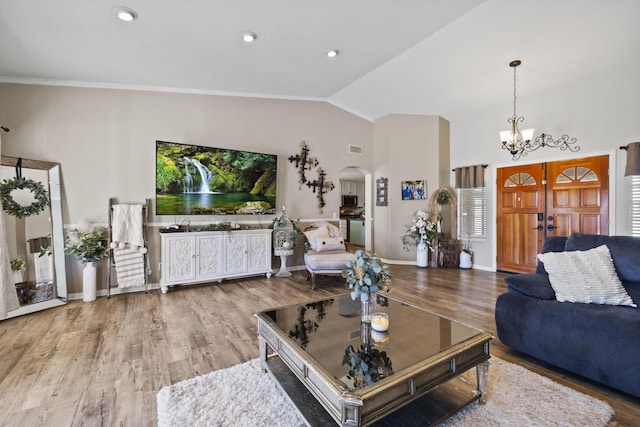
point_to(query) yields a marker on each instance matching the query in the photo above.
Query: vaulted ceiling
(403, 56)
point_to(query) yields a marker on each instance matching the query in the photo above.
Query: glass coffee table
(337, 370)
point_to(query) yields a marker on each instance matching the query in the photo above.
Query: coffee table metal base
(430, 409)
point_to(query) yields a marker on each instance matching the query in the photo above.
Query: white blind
(472, 213)
(633, 186)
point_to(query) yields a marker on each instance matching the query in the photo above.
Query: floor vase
(422, 252)
(465, 260)
(89, 282)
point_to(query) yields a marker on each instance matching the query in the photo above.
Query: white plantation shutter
(633, 186)
(472, 213)
(472, 206)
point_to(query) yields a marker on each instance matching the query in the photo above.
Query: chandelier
(519, 143)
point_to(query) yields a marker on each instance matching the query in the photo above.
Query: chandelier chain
(514, 92)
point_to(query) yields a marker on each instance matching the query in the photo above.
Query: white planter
(422, 253)
(89, 282)
(465, 260)
(17, 276)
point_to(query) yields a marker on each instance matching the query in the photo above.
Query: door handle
(539, 227)
(550, 227)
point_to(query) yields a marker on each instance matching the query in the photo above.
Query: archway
(358, 182)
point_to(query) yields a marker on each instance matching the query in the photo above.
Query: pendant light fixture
(518, 142)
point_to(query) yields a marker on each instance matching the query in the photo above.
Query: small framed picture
(414, 190)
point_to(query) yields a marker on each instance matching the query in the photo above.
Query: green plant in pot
(87, 245)
(442, 199)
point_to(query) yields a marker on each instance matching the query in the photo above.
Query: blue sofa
(599, 342)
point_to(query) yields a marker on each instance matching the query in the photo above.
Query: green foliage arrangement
(367, 365)
(443, 198)
(10, 206)
(17, 264)
(366, 275)
(87, 245)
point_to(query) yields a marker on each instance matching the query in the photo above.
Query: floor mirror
(35, 234)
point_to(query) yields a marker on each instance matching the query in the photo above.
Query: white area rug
(244, 396)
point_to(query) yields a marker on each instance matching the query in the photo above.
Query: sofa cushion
(532, 285)
(551, 244)
(633, 289)
(624, 251)
(585, 276)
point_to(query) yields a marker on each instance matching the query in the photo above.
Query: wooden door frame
(614, 174)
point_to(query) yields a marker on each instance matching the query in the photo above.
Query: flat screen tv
(198, 180)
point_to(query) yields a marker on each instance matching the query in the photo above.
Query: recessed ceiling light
(333, 53)
(249, 36)
(124, 13)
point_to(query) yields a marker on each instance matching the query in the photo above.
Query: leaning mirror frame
(57, 231)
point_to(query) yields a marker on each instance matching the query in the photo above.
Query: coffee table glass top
(325, 329)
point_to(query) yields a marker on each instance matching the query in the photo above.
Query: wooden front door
(548, 199)
(520, 215)
(578, 196)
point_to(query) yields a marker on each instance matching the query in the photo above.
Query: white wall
(104, 140)
(602, 115)
(407, 148)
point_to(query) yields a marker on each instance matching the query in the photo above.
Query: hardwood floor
(102, 363)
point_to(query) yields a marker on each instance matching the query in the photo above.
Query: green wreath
(12, 207)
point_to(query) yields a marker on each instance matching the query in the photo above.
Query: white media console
(203, 256)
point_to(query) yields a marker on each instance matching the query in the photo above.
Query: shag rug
(245, 396)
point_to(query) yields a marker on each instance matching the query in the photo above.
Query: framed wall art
(414, 190)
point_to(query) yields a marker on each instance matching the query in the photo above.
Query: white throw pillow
(313, 234)
(329, 244)
(585, 276)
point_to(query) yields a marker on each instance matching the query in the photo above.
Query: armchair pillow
(314, 234)
(585, 276)
(326, 243)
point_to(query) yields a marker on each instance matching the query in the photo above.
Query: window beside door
(633, 187)
(472, 213)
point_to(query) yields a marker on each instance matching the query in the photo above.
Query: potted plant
(367, 276)
(17, 266)
(87, 246)
(442, 199)
(419, 234)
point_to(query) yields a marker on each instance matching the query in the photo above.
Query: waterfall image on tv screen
(197, 180)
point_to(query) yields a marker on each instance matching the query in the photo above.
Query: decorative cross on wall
(305, 163)
(321, 185)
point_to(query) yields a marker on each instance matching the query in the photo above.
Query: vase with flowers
(87, 246)
(367, 276)
(420, 233)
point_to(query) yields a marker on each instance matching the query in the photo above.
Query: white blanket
(129, 266)
(126, 225)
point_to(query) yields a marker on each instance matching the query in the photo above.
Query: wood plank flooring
(102, 363)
